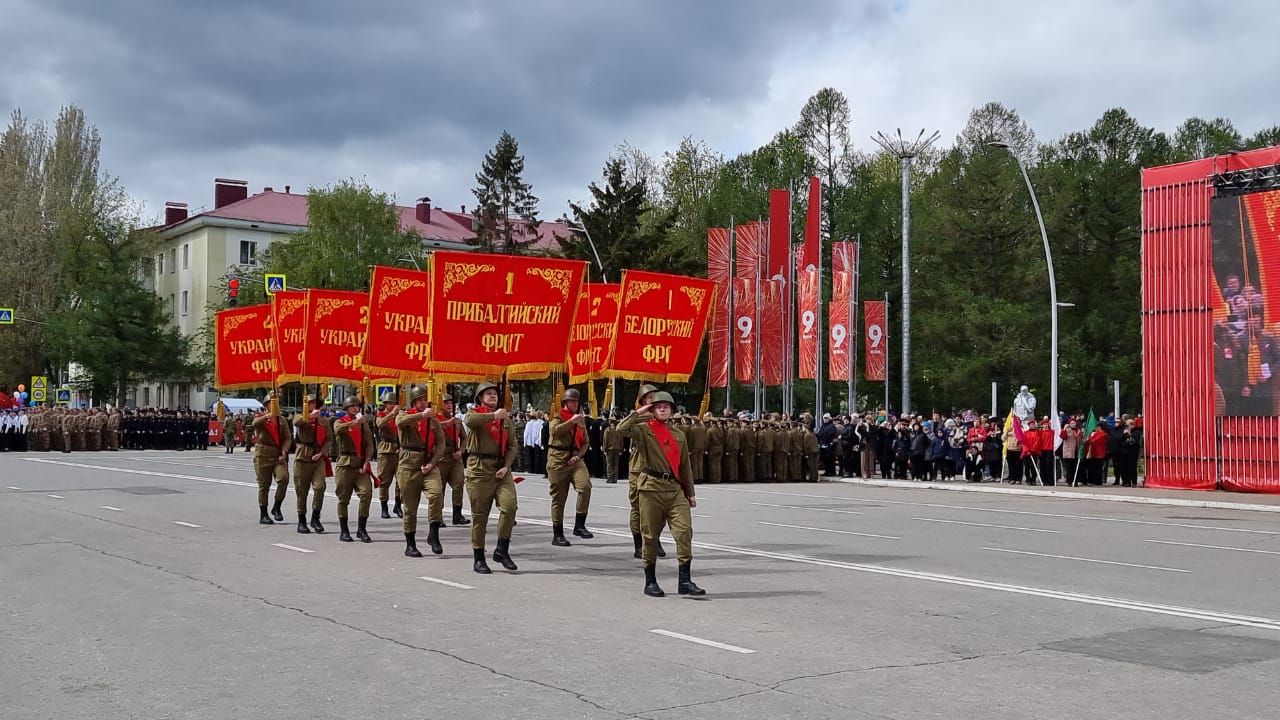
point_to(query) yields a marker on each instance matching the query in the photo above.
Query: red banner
(244, 349)
(334, 336)
(289, 312)
(593, 331)
(838, 340)
(397, 343)
(812, 226)
(749, 249)
(779, 234)
(844, 258)
(720, 332)
(807, 299)
(744, 329)
(877, 338)
(502, 313)
(661, 323)
(773, 314)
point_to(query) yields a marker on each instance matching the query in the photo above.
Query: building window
(173, 261)
(248, 252)
(160, 264)
(186, 256)
(172, 305)
(184, 302)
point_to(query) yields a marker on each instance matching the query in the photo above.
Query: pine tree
(629, 232)
(507, 210)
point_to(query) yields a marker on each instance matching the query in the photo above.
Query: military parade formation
(60, 429)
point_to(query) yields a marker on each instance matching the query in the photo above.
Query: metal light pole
(906, 151)
(1053, 290)
(613, 395)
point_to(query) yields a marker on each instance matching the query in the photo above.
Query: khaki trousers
(451, 474)
(308, 477)
(350, 479)
(485, 490)
(266, 470)
(559, 478)
(412, 484)
(387, 462)
(663, 504)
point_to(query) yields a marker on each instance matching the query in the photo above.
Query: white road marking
(151, 473)
(878, 501)
(109, 507)
(57, 496)
(290, 547)
(702, 641)
(827, 530)
(1089, 560)
(1214, 547)
(186, 524)
(814, 509)
(986, 525)
(450, 583)
(11, 487)
(628, 507)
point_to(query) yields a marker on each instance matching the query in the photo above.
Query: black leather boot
(557, 535)
(639, 541)
(411, 545)
(302, 524)
(396, 510)
(275, 512)
(344, 533)
(651, 587)
(661, 552)
(480, 565)
(457, 516)
(580, 526)
(263, 518)
(361, 533)
(433, 538)
(500, 554)
(686, 586)
(315, 522)
(385, 515)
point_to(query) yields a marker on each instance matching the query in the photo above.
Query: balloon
(21, 388)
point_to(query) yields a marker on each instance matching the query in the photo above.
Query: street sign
(6, 316)
(39, 389)
(384, 392)
(62, 396)
(275, 283)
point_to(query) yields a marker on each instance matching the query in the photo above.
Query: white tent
(237, 405)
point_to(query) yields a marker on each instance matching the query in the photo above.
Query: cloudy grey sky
(410, 94)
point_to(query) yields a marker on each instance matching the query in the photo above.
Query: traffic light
(233, 292)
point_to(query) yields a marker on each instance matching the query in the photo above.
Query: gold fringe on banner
(506, 392)
(608, 399)
(273, 407)
(591, 397)
(222, 411)
(706, 403)
(557, 396)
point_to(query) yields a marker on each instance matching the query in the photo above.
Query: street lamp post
(1053, 292)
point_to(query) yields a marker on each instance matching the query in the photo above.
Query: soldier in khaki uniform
(113, 430)
(310, 464)
(809, 444)
(491, 451)
(715, 449)
(665, 486)
(781, 451)
(764, 452)
(747, 453)
(356, 450)
(697, 437)
(451, 472)
(422, 447)
(732, 448)
(388, 454)
(796, 452)
(612, 451)
(633, 477)
(271, 460)
(566, 465)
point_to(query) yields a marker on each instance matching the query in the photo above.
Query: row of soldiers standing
(59, 429)
(735, 450)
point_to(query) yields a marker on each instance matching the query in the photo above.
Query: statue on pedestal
(1024, 405)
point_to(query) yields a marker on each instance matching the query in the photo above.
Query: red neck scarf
(495, 428)
(320, 436)
(273, 429)
(670, 448)
(579, 435)
(450, 431)
(357, 436)
(424, 432)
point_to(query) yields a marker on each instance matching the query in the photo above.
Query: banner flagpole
(759, 386)
(853, 324)
(817, 323)
(731, 328)
(886, 356)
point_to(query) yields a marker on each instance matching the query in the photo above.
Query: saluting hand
(646, 410)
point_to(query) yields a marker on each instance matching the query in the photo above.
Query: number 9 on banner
(838, 334)
(807, 319)
(744, 326)
(875, 334)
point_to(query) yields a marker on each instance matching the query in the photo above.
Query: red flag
(844, 257)
(773, 314)
(779, 234)
(807, 298)
(744, 325)
(877, 338)
(718, 272)
(838, 338)
(812, 226)
(662, 321)
(747, 240)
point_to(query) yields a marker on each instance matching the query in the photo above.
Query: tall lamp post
(564, 219)
(1053, 289)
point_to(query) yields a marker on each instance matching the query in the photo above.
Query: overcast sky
(409, 95)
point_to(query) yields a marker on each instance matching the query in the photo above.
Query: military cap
(351, 400)
(646, 389)
(447, 398)
(663, 397)
(571, 394)
(313, 399)
(417, 392)
(481, 388)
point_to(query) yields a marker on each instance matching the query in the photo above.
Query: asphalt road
(139, 585)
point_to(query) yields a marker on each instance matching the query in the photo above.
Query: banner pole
(886, 356)
(853, 323)
(759, 386)
(731, 327)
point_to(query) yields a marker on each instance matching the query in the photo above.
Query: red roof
(547, 231)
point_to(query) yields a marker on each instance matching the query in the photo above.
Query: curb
(1136, 499)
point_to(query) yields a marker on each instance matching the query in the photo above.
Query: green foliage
(506, 210)
(629, 233)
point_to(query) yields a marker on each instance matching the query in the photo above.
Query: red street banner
(877, 336)
(661, 323)
(336, 321)
(593, 331)
(502, 313)
(749, 250)
(779, 235)
(838, 340)
(289, 312)
(397, 342)
(844, 258)
(773, 313)
(744, 329)
(720, 332)
(244, 350)
(807, 298)
(812, 226)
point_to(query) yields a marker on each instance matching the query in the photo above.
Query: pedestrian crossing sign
(62, 396)
(384, 392)
(275, 284)
(6, 316)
